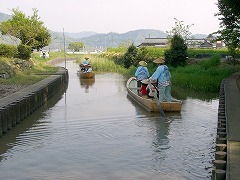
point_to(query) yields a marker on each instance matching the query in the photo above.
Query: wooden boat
(86, 75)
(150, 103)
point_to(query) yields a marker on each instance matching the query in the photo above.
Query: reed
(204, 76)
(101, 64)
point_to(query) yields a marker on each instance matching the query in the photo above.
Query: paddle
(157, 101)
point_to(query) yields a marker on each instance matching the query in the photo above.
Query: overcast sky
(120, 16)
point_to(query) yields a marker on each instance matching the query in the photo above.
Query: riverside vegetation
(17, 74)
(205, 68)
(204, 72)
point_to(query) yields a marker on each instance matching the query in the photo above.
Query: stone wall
(17, 106)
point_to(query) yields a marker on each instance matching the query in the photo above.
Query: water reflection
(86, 83)
(21, 134)
(182, 93)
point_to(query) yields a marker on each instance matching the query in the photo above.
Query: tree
(142, 54)
(229, 15)
(76, 46)
(23, 51)
(177, 54)
(180, 29)
(129, 57)
(30, 30)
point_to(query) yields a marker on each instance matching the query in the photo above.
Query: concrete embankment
(17, 106)
(227, 155)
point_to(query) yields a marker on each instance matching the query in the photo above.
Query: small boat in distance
(149, 103)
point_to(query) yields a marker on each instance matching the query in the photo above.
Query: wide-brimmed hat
(145, 81)
(143, 63)
(86, 57)
(159, 61)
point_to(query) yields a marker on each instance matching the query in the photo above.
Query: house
(208, 42)
(159, 42)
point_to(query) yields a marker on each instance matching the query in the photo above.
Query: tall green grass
(207, 75)
(101, 64)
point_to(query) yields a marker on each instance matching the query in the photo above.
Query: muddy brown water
(93, 131)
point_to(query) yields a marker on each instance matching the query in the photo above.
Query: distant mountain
(80, 35)
(4, 17)
(199, 36)
(5, 39)
(114, 39)
(93, 40)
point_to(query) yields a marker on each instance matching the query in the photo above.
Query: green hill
(93, 40)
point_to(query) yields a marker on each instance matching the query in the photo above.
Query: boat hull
(86, 75)
(149, 103)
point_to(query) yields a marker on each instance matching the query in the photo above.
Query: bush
(177, 54)
(212, 62)
(129, 57)
(7, 50)
(23, 52)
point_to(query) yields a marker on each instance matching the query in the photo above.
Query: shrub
(23, 52)
(177, 54)
(212, 62)
(129, 57)
(7, 50)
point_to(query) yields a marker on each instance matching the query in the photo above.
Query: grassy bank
(197, 78)
(203, 75)
(204, 72)
(25, 71)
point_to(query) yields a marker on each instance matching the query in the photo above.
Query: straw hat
(159, 61)
(142, 63)
(145, 81)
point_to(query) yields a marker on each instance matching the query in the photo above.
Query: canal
(91, 130)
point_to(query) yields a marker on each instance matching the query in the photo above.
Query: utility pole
(64, 49)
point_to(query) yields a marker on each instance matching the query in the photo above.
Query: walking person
(163, 77)
(141, 73)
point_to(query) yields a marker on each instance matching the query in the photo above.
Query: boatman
(163, 76)
(85, 61)
(85, 65)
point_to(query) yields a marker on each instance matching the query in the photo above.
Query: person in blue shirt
(141, 73)
(85, 61)
(163, 77)
(85, 65)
